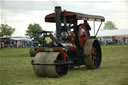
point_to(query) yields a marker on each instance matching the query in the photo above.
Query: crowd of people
(11, 43)
(26, 43)
(119, 40)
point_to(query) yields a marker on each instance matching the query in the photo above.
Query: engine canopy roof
(70, 16)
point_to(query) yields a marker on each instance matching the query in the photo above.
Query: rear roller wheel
(92, 54)
(50, 70)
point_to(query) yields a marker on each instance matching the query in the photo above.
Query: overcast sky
(20, 13)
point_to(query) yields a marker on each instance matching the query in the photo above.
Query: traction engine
(72, 46)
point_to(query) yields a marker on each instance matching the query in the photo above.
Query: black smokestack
(58, 21)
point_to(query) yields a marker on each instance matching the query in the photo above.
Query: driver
(87, 26)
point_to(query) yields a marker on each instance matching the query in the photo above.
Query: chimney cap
(57, 7)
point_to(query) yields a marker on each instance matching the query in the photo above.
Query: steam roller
(72, 46)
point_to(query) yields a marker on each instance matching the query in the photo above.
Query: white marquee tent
(119, 32)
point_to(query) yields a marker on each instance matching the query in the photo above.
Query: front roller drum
(45, 64)
(92, 54)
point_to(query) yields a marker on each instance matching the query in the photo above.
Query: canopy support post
(98, 29)
(94, 27)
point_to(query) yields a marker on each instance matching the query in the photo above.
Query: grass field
(16, 69)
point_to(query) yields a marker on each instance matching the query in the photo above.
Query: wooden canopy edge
(74, 15)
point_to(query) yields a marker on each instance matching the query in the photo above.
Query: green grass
(16, 69)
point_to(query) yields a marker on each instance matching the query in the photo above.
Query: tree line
(6, 30)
